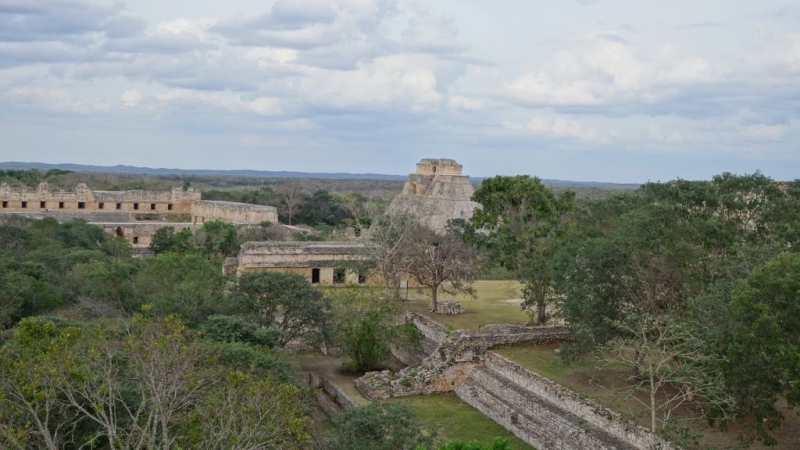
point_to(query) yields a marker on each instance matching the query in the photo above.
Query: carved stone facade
(437, 192)
(133, 215)
(43, 199)
(239, 213)
(328, 263)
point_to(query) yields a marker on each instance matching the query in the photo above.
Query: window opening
(314, 276)
(24, 204)
(339, 276)
(60, 205)
(81, 205)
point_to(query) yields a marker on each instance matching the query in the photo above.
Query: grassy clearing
(453, 419)
(497, 301)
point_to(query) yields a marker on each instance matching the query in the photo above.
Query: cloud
(227, 102)
(70, 21)
(461, 103)
(59, 100)
(763, 132)
(406, 81)
(131, 98)
(562, 127)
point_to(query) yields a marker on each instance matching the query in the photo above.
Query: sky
(584, 90)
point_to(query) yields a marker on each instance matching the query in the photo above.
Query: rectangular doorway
(314, 276)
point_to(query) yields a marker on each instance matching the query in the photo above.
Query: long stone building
(134, 215)
(437, 192)
(320, 262)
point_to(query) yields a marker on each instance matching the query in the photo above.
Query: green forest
(694, 286)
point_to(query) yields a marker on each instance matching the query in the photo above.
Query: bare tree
(440, 261)
(388, 246)
(669, 369)
(291, 198)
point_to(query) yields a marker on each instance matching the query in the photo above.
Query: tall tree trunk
(434, 304)
(541, 304)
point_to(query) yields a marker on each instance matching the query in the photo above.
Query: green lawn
(453, 419)
(490, 306)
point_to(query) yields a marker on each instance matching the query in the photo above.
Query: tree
(365, 326)
(441, 261)
(380, 426)
(286, 301)
(321, 208)
(669, 368)
(217, 239)
(246, 411)
(521, 219)
(181, 283)
(387, 247)
(763, 357)
(291, 198)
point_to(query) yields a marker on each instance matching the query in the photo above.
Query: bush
(380, 426)
(235, 329)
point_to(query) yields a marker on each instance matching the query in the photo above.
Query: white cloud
(563, 127)
(406, 81)
(59, 100)
(763, 132)
(223, 101)
(461, 103)
(131, 98)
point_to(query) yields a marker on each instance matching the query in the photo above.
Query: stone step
(533, 419)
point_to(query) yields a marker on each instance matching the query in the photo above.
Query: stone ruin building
(437, 192)
(326, 263)
(134, 215)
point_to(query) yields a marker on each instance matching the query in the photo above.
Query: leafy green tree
(321, 208)
(108, 281)
(248, 411)
(182, 283)
(764, 352)
(235, 329)
(79, 233)
(217, 239)
(522, 218)
(380, 426)
(285, 301)
(365, 326)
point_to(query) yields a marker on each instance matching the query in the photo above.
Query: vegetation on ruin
(684, 294)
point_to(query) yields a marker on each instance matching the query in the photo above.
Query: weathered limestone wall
(140, 234)
(437, 193)
(537, 410)
(439, 166)
(330, 396)
(568, 401)
(317, 261)
(231, 212)
(81, 198)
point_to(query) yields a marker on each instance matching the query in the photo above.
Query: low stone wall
(567, 400)
(334, 393)
(433, 332)
(449, 307)
(463, 345)
(232, 212)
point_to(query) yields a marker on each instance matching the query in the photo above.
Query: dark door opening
(314, 276)
(119, 232)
